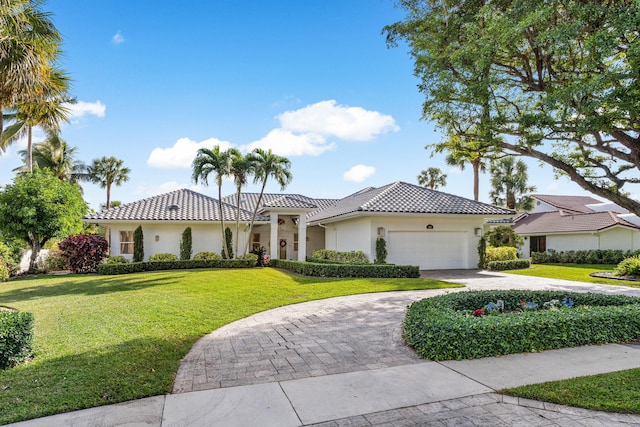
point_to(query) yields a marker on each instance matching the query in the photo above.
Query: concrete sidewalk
(342, 361)
(426, 393)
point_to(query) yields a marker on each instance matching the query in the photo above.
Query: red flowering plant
(479, 312)
(84, 252)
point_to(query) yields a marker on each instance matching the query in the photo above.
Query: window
(538, 244)
(255, 240)
(126, 242)
(295, 241)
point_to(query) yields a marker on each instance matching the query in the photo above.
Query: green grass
(612, 392)
(106, 339)
(575, 272)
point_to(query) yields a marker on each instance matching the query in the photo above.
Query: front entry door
(283, 249)
(538, 244)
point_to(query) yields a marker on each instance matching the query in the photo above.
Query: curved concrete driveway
(355, 334)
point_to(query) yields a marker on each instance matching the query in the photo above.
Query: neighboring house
(571, 223)
(423, 227)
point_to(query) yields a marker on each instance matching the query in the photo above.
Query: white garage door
(430, 250)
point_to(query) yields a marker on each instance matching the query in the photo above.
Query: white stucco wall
(205, 237)
(571, 242)
(354, 235)
(615, 238)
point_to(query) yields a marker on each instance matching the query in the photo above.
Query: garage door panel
(428, 250)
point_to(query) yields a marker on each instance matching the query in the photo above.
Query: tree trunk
(225, 253)
(255, 213)
(35, 251)
(108, 195)
(30, 149)
(511, 200)
(476, 178)
(235, 250)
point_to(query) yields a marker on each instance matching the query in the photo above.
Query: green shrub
(186, 244)
(16, 337)
(504, 235)
(4, 271)
(136, 267)
(347, 270)
(163, 257)
(482, 252)
(138, 245)
(512, 264)
(628, 267)
(250, 257)
(444, 327)
(352, 257)
(228, 241)
(206, 255)
(54, 261)
(381, 251)
(500, 253)
(10, 253)
(593, 256)
(117, 259)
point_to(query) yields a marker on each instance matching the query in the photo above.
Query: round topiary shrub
(206, 256)
(628, 267)
(117, 259)
(469, 325)
(163, 257)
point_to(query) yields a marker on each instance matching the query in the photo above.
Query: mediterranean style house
(423, 227)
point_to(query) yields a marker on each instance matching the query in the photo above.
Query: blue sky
(313, 80)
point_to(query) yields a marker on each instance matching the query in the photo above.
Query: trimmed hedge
(16, 337)
(347, 270)
(352, 257)
(514, 264)
(163, 257)
(136, 267)
(500, 253)
(594, 256)
(444, 327)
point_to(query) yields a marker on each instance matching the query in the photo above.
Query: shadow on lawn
(79, 285)
(125, 371)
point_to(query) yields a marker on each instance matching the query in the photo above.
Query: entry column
(302, 238)
(273, 237)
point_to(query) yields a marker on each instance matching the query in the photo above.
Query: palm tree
(205, 163)
(47, 111)
(267, 165)
(59, 157)
(508, 181)
(240, 168)
(432, 178)
(107, 171)
(29, 48)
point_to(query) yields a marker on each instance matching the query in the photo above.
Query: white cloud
(117, 38)
(286, 143)
(359, 173)
(328, 119)
(81, 109)
(182, 153)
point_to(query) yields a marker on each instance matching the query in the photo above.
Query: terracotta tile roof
(401, 197)
(179, 205)
(575, 204)
(556, 223)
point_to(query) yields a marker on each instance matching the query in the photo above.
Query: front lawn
(575, 272)
(612, 392)
(107, 339)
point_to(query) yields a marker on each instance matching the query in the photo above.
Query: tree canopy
(509, 184)
(554, 80)
(37, 207)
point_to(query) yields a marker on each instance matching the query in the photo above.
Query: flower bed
(464, 325)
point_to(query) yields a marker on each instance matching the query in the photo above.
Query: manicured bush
(4, 271)
(16, 337)
(186, 244)
(117, 259)
(260, 253)
(83, 253)
(250, 257)
(55, 261)
(136, 267)
(500, 253)
(504, 235)
(352, 257)
(381, 251)
(482, 252)
(228, 241)
(594, 256)
(163, 257)
(138, 244)
(206, 255)
(628, 267)
(445, 327)
(347, 270)
(513, 264)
